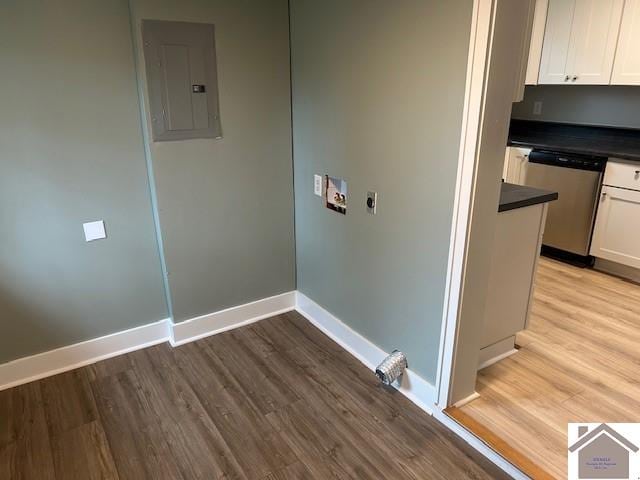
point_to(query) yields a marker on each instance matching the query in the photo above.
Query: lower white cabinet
(515, 165)
(616, 236)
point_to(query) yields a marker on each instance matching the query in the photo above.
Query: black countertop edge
(518, 196)
(608, 142)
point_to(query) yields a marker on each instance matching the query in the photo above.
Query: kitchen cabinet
(525, 33)
(515, 165)
(514, 259)
(626, 67)
(617, 230)
(580, 42)
(537, 39)
(617, 227)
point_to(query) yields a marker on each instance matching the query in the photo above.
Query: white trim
(617, 269)
(479, 445)
(230, 318)
(46, 364)
(463, 200)
(469, 399)
(412, 386)
(35, 367)
(497, 351)
(496, 359)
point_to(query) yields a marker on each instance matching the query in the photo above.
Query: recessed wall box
(180, 62)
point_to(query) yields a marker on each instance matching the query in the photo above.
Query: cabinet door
(617, 229)
(594, 37)
(626, 67)
(537, 39)
(557, 39)
(517, 160)
(525, 47)
(505, 166)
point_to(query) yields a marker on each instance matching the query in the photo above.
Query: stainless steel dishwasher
(577, 179)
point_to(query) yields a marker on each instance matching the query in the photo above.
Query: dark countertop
(517, 196)
(600, 141)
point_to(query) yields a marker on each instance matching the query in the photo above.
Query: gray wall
(71, 152)
(588, 105)
(226, 206)
(378, 90)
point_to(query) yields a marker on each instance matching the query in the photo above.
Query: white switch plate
(94, 230)
(317, 185)
(537, 108)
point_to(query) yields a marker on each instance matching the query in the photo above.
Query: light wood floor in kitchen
(275, 400)
(578, 362)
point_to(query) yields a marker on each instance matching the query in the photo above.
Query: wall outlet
(537, 108)
(94, 230)
(317, 185)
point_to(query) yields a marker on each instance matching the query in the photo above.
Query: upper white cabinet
(580, 41)
(537, 39)
(594, 39)
(557, 37)
(626, 68)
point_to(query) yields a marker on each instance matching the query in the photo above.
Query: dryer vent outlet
(392, 367)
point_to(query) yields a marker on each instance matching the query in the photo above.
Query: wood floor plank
(138, 445)
(25, 450)
(83, 453)
(269, 393)
(68, 401)
(578, 362)
(323, 454)
(257, 447)
(296, 471)
(197, 446)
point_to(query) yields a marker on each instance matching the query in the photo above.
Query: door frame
(490, 65)
(485, 104)
(475, 91)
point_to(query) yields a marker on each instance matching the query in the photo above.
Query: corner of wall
(144, 124)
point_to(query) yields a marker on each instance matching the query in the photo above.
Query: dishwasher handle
(568, 160)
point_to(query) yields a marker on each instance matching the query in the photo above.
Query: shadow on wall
(28, 327)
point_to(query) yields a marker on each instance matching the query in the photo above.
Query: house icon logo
(604, 451)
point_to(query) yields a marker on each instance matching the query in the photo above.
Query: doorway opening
(532, 343)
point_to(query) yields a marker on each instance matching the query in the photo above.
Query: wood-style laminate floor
(274, 400)
(578, 362)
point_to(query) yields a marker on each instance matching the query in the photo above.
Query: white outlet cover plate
(317, 185)
(94, 230)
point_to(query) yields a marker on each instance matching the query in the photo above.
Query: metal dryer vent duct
(392, 367)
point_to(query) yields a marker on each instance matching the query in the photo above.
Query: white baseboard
(617, 269)
(466, 400)
(35, 367)
(497, 358)
(496, 352)
(414, 387)
(46, 364)
(230, 318)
